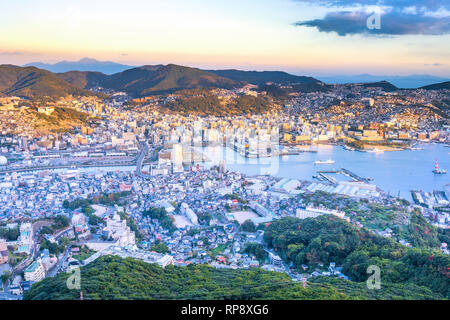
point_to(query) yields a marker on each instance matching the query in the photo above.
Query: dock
(324, 175)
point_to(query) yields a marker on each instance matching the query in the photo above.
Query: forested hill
(160, 79)
(326, 239)
(113, 278)
(31, 82)
(438, 86)
(83, 79)
(261, 77)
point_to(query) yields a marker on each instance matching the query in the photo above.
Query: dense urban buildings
(186, 170)
(130, 178)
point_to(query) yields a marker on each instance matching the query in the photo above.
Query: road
(140, 159)
(57, 268)
(41, 168)
(60, 233)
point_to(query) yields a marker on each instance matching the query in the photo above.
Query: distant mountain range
(156, 79)
(407, 82)
(163, 79)
(85, 64)
(254, 77)
(150, 80)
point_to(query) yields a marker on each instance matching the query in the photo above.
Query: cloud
(11, 53)
(391, 23)
(397, 17)
(434, 64)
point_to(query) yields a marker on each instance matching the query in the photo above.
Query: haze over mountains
(408, 82)
(256, 77)
(85, 64)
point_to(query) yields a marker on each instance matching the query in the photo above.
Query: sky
(312, 37)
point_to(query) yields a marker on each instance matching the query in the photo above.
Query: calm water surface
(393, 171)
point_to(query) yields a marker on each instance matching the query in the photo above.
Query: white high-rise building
(34, 272)
(189, 213)
(177, 156)
(118, 230)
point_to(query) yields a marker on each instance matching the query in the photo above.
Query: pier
(324, 175)
(332, 180)
(354, 175)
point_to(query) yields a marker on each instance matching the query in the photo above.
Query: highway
(72, 166)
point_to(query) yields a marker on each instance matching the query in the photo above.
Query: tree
(160, 247)
(248, 226)
(257, 250)
(9, 234)
(64, 241)
(94, 220)
(160, 214)
(5, 277)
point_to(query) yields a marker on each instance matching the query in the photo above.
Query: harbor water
(395, 172)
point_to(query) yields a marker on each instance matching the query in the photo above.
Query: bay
(395, 172)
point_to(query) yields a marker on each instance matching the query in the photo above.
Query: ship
(437, 170)
(324, 162)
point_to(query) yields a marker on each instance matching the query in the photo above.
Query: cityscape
(131, 180)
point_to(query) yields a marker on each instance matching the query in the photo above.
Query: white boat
(324, 162)
(375, 150)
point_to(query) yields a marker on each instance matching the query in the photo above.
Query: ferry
(324, 162)
(437, 170)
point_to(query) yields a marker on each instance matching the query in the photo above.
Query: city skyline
(143, 157)
(265, 35)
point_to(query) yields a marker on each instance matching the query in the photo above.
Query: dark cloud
(393, 23)
(428, 4)
(399, 17)
(434, 64)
